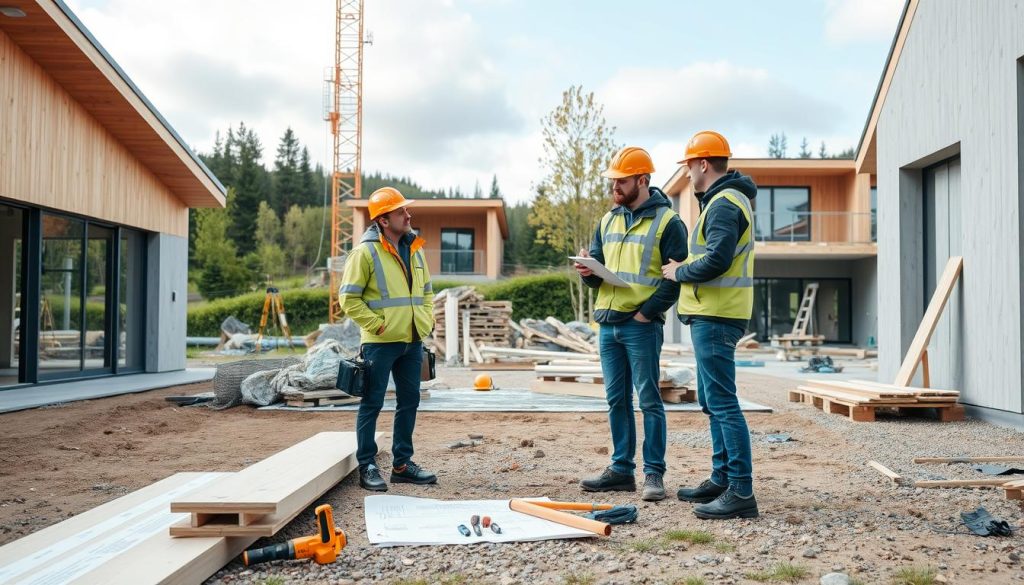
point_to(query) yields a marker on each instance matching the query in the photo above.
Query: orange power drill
(323, 547)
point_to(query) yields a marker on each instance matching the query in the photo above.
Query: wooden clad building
(95, 188)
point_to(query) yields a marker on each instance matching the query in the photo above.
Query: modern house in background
(814, 222)
(95, 188)
(945, 137)
(464, 237)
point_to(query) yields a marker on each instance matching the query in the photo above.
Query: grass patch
(690, 536)
(725, 547)
(273, 581)
(914, 576)
(579, 579)
(410, 582)
(786, 572)
(645, 544)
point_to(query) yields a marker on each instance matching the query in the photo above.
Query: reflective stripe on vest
(387, 298)
(730, 295)
(632, 252)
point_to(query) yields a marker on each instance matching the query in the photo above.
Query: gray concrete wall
(957, 90)
(166, 290)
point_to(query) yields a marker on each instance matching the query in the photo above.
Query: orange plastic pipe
(578, 506)
(532, 509)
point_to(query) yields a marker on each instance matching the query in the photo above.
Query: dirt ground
(822, 510)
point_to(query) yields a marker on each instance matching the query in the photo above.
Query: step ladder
(803, 315)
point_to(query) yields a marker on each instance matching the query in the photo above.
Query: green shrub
(306, 310)
(94, 313)
(534, 297)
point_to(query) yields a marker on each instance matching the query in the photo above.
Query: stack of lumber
(262, 498)
(860, 400)
(489, 321)
(512, 358)
(131, 540)
(569, 379)
(553, 331)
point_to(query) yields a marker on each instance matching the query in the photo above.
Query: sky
(454, 90)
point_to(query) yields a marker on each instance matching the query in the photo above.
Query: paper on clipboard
(600, 270)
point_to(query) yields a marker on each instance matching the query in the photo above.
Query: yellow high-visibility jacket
(375, 290)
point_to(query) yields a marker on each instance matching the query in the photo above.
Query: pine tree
(477, 193)
(288, 180)
(805, 151)
(251, 185)
(495, 191)
(822, 153)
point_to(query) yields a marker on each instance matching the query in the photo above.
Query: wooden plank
(931, 318)
(953, 483)
(280, 486)
(122, 542)
(984, 459)
(895, 477)
(536, 353)
(568, 389)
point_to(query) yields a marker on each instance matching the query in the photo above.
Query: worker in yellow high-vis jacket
(633, 240)
(386, 290)
(716, 299)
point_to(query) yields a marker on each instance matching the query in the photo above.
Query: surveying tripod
(273, 305)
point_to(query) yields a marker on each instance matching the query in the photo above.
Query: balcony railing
(834, 227)
(456, 261)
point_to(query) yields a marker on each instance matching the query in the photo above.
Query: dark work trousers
(403, 360)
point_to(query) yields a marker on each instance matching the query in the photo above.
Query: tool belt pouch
(427, 371)
(352, 376)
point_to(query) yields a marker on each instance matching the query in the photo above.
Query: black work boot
(609, 481)
(370, 479)
(412, 473)
(706, 492)
(728, 505)
(654, 488)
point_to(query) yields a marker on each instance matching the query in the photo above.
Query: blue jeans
(714, 345)
(403, 360)
(630, 353)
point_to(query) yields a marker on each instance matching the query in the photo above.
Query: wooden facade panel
(55, 154)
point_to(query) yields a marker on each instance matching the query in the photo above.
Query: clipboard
(600, 270)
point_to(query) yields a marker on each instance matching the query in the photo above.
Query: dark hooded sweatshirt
(723, 225)
(672, 246)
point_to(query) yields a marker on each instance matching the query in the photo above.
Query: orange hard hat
(706, 144)
(386, 200)
(483, 382)
(631, 160)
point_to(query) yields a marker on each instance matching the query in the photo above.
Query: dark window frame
(771, 230)
(458, 252)
(802, 284)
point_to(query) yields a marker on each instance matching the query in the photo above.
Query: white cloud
(665, 104)
(849, 21)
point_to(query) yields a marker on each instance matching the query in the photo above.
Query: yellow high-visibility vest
(731, 295)
(633, 253)
(375, 292)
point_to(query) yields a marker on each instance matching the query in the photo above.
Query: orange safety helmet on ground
(706, 144)
(631, 160)
(386, 200)
(483, 382)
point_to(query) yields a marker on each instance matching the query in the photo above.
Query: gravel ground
(822, 509)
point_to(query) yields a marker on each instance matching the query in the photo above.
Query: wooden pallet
(1014, 490)
(865, 411)
(262, 498)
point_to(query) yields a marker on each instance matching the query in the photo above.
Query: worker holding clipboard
(630, 245)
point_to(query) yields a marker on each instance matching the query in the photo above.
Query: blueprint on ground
(409, 521)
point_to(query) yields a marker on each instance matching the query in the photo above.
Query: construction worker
(386, 290)
(716, 300)
(633, 240)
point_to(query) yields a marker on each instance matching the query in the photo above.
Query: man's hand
(669, 270)
(640, 317)
(581, 269)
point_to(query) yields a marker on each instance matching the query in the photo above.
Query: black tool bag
(352, 376)
(427, 370)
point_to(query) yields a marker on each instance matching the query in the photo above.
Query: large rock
(835, 579)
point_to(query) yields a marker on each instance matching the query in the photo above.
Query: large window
(874, 214)
(777, 301)
(782, 214)
(457, 251)
(72, 297)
